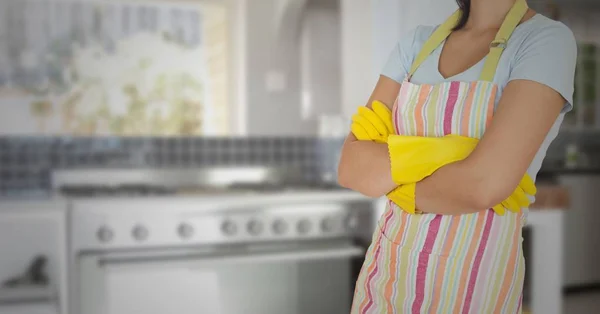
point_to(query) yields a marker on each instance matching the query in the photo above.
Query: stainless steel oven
(250, 254)
(311, 277)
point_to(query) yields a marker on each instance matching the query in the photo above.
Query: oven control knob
(327, 225)
(185, 231)
(303, 226)
(228, 228)
(255, 227)
(140, 233)
(279, 226)
(105, 234)
(352, 222)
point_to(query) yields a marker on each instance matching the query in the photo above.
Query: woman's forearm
(454, 189)
(365, 167)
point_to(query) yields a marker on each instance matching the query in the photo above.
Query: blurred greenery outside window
(119, 68)
(586, 81)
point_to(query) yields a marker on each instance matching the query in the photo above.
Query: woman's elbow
(347, 178)
(343, 177)
(492, 194)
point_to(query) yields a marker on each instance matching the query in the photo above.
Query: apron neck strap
(512, 20)
(514, 16)
(435, 40)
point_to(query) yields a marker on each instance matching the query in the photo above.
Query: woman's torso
(468, 263)
(428, 73)
(463, 104)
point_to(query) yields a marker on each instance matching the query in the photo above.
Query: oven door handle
(250, 257)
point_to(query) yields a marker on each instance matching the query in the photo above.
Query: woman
(459, 256)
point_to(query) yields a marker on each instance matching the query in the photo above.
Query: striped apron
(446, 264)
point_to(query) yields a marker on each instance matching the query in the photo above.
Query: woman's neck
(488, 14)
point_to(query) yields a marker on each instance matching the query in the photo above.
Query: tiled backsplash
(27, 162)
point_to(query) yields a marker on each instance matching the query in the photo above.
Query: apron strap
(515, 15)
(435, 40)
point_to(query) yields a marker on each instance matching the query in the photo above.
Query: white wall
(358, 77)
(274, 52)
(370, 29)
(320, 59)
(393, 18)
(276, 112)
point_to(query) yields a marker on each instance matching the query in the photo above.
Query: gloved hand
(373, 124)
(519, 198)
(376, 125)
(415, 158)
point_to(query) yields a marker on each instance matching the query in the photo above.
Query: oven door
(294, 278)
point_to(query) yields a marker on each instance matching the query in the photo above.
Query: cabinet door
(582, 235)
(35, 308)
(29, 229)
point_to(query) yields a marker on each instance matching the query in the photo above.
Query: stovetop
(111, 221)
(143, 190)
(169, 182)
(124, 190)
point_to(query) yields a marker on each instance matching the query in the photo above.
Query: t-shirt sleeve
(400, 59)
(549, 57)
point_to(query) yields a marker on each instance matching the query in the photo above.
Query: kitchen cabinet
(582, 235)
(544, 290)
(29, 229)
(28, 301)
(41, 308)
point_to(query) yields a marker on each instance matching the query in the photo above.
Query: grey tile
(47, 153)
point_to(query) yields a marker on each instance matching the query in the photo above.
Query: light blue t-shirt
(540, 49)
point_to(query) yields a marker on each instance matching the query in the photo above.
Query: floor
(583, 303)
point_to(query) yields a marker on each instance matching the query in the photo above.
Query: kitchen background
(107, 107)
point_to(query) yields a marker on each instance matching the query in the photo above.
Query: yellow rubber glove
(404, 197)
(373, 124)
(377, 125)
(519, 198)
(364, 130)
(415, 158)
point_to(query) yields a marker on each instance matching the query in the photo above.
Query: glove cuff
(404, 197)
(395, 164)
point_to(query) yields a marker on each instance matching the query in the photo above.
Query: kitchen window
(115, 68)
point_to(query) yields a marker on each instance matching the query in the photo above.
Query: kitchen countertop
(208, 203)
(551, 197)
(32, 206)
(550, 171)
